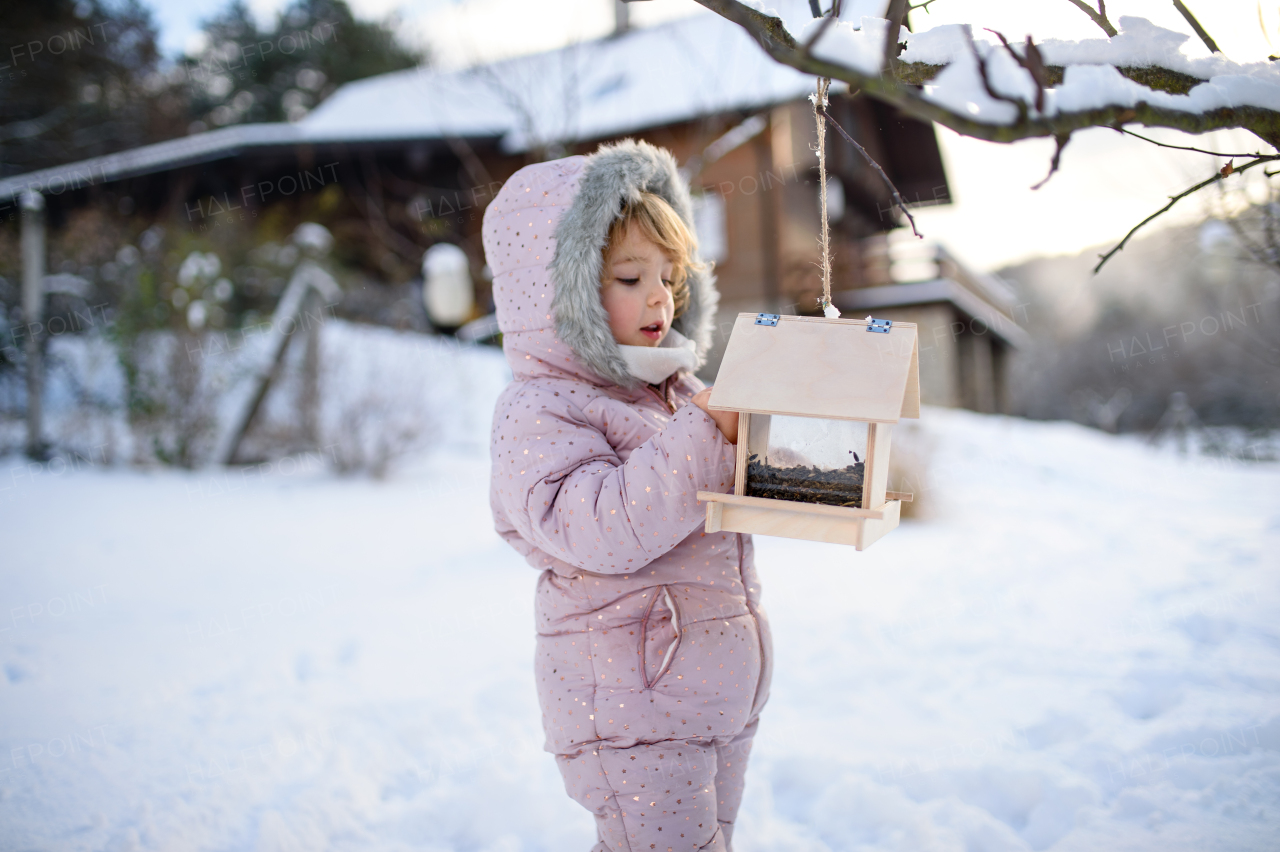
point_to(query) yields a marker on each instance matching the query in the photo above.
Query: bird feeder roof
(819, 367)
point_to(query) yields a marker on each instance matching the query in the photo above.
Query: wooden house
(967, 323)
(411, 158)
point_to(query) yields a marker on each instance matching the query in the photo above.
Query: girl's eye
(629, 280)
(667, 281)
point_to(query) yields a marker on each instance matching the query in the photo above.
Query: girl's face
(636, 291)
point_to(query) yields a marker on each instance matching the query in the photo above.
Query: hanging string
(819, 101)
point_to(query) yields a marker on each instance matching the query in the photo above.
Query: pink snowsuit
(653, 653)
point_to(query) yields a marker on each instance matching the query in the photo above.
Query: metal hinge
(880, 326)
(767, 319)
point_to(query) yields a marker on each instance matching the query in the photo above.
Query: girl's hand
(726, 421)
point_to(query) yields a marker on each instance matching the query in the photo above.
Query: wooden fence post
(33, 261)
(309, 397)
(290, 317)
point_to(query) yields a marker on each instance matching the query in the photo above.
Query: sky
(1107, 182)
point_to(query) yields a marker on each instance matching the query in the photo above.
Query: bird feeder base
(807, 521)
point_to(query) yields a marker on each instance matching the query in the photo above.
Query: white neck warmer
(653, 364)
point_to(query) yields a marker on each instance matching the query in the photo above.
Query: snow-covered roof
(680, 70)
(197, 148)
(694, 66)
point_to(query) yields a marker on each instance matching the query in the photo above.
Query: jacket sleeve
(567, 492)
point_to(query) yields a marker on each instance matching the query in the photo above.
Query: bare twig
(1185, 147)
(1099, 17)
(1018, 104)
(818, 33)
(1195, 25)
(1270, 229)
(1061, 142)
(33, 127)
(896, 13)
(372, 202)
(1255, 250)
(906, 20)
(467, 155)
(897, 198)
(826, 22)
(1174, 199)
(1032, 62)
(738, 135)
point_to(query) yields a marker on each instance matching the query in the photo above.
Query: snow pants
(673, 796)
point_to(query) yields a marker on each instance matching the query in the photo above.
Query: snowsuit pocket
(659, 636)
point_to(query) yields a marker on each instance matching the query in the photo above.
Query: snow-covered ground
(1079, 650)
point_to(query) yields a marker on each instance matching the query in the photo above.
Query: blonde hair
(660, 223)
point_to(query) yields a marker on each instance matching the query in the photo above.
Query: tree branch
(1195, 25)
(896, 13)
(1061, 142)
(1032, 63)
(771, 34)
(897, 199)
(819, 32)
(1226, 171)
(1099, 17)
(1185, 147)
(1018, 103)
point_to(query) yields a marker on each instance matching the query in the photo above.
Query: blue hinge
(767, 319)
(879, 326)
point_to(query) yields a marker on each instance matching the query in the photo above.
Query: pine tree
(246, 74)
(77, 79)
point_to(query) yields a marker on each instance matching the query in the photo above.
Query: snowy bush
(386, 395)
(171, 398)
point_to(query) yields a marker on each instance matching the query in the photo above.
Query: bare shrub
(375, 431)
(171, 399)
(375, 406)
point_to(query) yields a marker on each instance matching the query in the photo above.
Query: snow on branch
(1140, 76)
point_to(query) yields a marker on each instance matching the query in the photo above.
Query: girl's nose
(659, 294)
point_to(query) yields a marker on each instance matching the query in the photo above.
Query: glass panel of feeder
(808, 459)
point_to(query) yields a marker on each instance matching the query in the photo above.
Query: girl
(653, 653)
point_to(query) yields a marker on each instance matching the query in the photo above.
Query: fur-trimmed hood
(543, 237)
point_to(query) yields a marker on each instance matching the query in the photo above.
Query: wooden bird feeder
(816, 400)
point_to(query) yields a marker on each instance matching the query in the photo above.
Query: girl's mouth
(653, 331)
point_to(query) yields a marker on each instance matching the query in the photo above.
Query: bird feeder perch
(817, 399)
